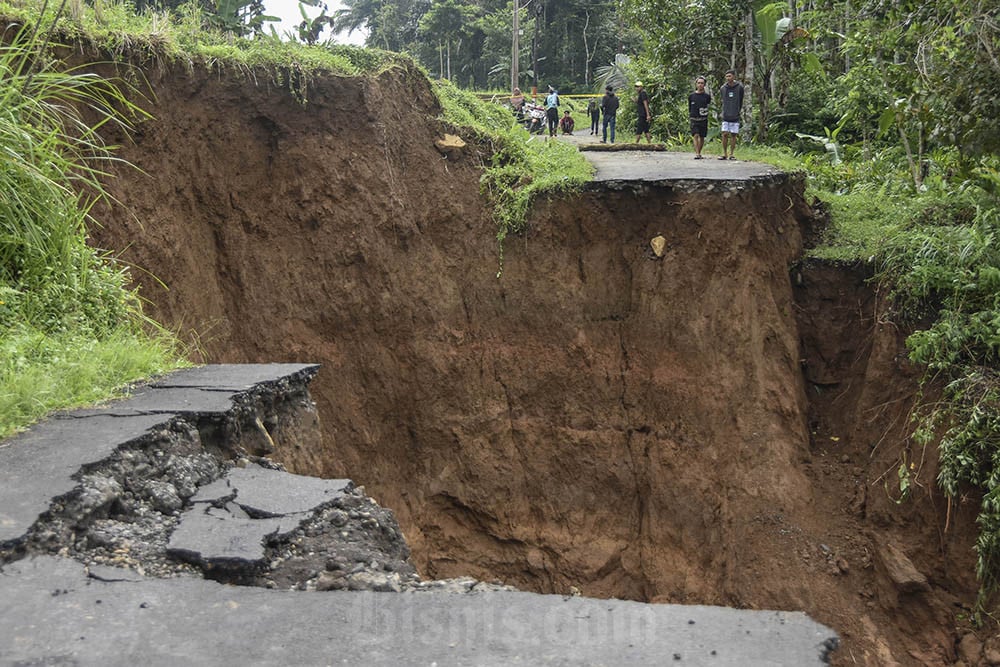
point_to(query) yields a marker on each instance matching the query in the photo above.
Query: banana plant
(780, 43)
(240, 17)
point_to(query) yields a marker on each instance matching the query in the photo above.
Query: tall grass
(70, 331)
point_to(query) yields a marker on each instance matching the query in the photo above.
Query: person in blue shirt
(552, 110)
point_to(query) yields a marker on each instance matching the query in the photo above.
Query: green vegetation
(522, 166)
(70, 333)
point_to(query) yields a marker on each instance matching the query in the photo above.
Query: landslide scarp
(597, 417)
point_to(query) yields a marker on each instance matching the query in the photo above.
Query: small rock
(451, 146)
(901, 570)
(659, 245)
(969, 648)
(329, 581)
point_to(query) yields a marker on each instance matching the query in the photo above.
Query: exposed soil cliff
(703, 427)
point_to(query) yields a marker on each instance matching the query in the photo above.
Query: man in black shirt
(698, 103)
(609, 106)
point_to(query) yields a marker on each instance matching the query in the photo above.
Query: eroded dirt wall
(596, 417)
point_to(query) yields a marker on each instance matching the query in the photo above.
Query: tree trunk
(846, 31)
(515, 64)
(748, 83)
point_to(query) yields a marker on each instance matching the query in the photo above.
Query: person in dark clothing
(643, 114)
(698, 103)
(609, 107)
(731, 98)
(594, 111)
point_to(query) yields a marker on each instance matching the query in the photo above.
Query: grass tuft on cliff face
(70, 331)
(522, 167)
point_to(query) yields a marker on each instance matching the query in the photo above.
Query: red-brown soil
(706, 427)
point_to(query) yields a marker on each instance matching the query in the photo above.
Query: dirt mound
(598, 417)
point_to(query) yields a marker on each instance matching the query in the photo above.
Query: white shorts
(732, 128)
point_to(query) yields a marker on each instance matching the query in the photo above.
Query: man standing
(594, 111)
(698, 103)
(609, 107)
(731, 96)
(552, 110)
(643, 115)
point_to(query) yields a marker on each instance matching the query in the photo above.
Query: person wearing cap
(643, 115)
(609, 107)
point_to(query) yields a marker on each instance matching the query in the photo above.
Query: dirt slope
(597, 417)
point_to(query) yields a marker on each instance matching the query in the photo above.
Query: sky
(288, 10)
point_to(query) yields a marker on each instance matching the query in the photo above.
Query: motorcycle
(535, 121)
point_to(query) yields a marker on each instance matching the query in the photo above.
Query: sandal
(732, 157)
(723, 158)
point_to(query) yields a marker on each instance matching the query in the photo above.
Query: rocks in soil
(901, 570)
(970, 648)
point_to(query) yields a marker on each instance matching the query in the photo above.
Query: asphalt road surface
(660, 166)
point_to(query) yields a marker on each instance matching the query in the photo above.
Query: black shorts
(699, 127)
(641, 125)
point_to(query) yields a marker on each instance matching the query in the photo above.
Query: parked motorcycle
(535, 122)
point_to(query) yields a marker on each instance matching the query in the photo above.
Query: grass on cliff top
(522, 167)
(153, 36)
